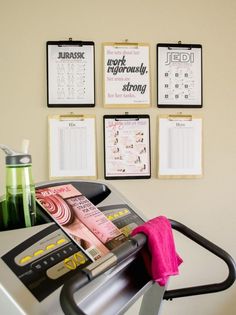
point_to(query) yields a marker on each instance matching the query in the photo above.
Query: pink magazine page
(96, 221)
(53, 200)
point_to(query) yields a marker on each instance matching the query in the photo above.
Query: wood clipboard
(127, 152)
(179, 75)
(126, 75)
(72, 146)
(70, 73)
(180, 146)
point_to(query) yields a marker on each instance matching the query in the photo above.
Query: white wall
(207, 205)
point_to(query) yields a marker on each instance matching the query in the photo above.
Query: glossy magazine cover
(81, 219)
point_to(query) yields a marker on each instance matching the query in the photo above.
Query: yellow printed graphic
(50, 246)
(79, 258)
(25, 259)
(61, 241)
(74, 261)
(70, 264)
(39, 252)
(118, 214)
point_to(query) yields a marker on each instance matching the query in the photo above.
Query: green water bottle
(20, 205)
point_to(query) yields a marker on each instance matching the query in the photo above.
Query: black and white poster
(179, 75)
(70, 71)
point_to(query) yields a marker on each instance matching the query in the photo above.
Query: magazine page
(79, 218)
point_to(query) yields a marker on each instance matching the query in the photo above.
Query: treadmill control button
(25, 259)
(39, 252)
(61, 241)
(38, 267)
(50, 246)
(57, 271)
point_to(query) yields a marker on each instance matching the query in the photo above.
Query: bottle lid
(18, 159)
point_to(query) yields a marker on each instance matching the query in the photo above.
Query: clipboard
(72, 146)
(180, 146)
(127, 153)
(126, 75)
(70, 73)
(179, 75)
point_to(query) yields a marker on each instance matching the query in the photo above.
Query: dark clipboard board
(127, 148)
(179, 75)
(70, 73)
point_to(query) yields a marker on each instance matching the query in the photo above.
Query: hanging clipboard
(180, 146)
(70, 73)
(126, 75)
(127, 153)
(72, 146)
(179, 75)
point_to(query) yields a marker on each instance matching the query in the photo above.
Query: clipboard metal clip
(180, 117)
(127, 119)
(70, 42)
(180, 46)
(126, 43)
(71, 117)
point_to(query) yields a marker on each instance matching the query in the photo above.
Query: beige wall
(206, 205)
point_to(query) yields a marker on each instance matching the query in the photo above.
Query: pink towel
(161, 260)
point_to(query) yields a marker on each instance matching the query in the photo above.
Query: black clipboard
(70, 73)
(179, 75)
(127, 151)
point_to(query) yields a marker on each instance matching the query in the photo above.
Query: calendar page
(72, 146)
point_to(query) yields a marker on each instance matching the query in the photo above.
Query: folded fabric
(161, 259)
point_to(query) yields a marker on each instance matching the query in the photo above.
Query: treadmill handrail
(214, 249)
(131, 247)
(71, 286)
(68, 290)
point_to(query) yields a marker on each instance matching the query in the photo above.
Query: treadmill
(36, 280)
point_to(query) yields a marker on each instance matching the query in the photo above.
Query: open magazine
(81, 219)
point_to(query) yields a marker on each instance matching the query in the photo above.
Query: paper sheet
(127, 147)
(72, 147)
(70, 74)
(179, 76)
(126, 75)
(180, 147)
